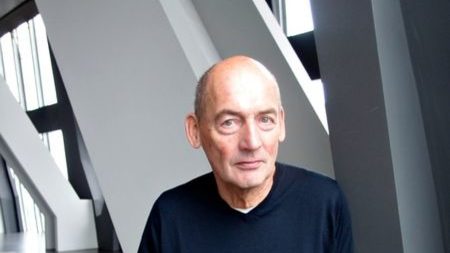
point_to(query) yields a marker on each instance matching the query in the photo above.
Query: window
(31, 218)
(54, 141)
(8, 66)
(26, 66)
(298, 17)
(317, 99)
(2, 225)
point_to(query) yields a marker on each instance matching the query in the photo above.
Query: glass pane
(46, 72)
(315, 93)
(56, 143)
(42, 223)
(9, 65)
(30, 215)
(44, 139)
(16, 185)
(23, 213)
(37, 214)
(28, 205)
(35, 63)
(37, 217)
(2, 226)
(298, 17)
(2, 69)
(27, 67)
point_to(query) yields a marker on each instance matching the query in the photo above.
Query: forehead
(242, 88)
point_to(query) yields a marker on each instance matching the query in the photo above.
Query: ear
(282, 135)
(191, 127)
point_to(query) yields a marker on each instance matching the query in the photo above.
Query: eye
(228, 125)
(267, 122)
(266, 119)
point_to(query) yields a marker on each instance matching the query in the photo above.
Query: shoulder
(309, 182)
(304, 176)
(187, 193)
(319, 197)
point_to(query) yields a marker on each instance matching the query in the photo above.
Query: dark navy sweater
(304, 212)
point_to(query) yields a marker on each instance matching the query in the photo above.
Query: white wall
(130, 73)
(69, 220)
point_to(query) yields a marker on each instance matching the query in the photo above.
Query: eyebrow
(269, 111)
(226, 112)
(237, 113)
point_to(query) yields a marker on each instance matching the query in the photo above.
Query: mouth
(249, 164)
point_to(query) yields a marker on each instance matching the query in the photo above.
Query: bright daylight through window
(26, 66)
(298, 17)
(31, 218)
(54, 141)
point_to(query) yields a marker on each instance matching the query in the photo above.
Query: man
(249, 202)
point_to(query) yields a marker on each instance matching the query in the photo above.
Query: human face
(241, 127)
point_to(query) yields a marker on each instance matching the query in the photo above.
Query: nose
(250, 137)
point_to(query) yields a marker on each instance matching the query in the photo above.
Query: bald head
(239, 123)
(225, 70)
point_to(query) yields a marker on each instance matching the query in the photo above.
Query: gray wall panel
(376, 125)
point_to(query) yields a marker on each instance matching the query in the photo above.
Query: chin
(251, 182)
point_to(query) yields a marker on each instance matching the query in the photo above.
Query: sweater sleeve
(343, 238)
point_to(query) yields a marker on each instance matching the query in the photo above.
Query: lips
(249, 165)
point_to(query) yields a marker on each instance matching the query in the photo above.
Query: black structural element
(305, 46)
(269, 2)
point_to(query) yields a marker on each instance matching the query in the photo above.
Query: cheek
(273, 150)
(272, 145)
(216, 147)
(221, 148)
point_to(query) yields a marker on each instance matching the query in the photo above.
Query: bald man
(249, 202)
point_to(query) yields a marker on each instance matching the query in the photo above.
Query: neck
(243, 198)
